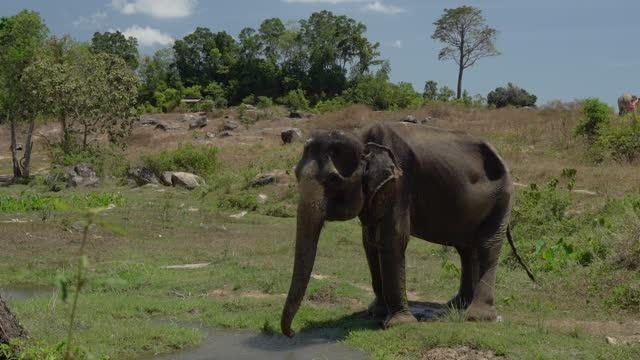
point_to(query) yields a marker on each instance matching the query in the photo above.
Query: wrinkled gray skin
(404, 179)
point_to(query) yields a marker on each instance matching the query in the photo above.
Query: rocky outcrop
(230, 125)
(410, 119)
(81, 175)
(196, 121)
(143, 176)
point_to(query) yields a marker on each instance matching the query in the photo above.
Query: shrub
(295, 99)
(168, 99)
(264, 102)
(511, 95)
(239, 200)
(330, 105)
(207, 105)
(104, 160)
(193, 92)
(201, 160)
(621, 138)
(596, 115)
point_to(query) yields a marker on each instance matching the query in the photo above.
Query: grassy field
(583, 248)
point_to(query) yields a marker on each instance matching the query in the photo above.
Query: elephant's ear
(381, 172)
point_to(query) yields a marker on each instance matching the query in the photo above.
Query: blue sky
(556, 49)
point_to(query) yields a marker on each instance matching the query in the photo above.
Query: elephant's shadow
(422, 310)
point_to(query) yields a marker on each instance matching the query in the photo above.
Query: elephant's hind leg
(483, 305)
(468, 278)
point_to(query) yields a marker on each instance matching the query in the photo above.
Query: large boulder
(196, 121)
(81, 175)
(143, 176)
(290, 135)
(165, 178)
(230, 125)
(186, 180)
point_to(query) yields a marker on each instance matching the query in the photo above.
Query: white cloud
(163, 9)
(148, 36)
(92, 21)
(323, 1)
(397, 44)
(379, 7)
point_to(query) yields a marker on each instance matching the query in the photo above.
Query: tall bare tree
(466, 37)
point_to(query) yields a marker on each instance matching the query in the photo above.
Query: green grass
(251, 260)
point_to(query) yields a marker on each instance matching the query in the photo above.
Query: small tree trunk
(460, 82)
(10, 328)
(26, 159)
(14, 151)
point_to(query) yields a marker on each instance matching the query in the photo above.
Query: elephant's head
(339, 178)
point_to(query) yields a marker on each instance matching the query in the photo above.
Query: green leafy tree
(596, 116)
(430, 90)
(95, 93)
(21, 38)
(158, 72)
(511, 95)
(117, 44)
(466, 37)
(445, 94)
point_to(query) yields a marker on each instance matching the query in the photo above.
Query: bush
(207, 105)
(330, 105)
(104, 160)
(295, 99)
(264, 102)
(201, 160)
(596, 115)
(168, 99)
(621, 139)
(511, 95)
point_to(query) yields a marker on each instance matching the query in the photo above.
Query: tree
(117, 44)
(158, 72)
(466, 37)
(511, 95)
(430, 90)
(21, 37)
(94, 93)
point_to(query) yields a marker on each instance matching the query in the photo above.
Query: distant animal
(627, 103)
(401, 180)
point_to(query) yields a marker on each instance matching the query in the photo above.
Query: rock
(268, 178)
(290, 135)
(230, 125)
(167, 125)
(295, 114)
(186, 266)
(210, 135)
(225, 133)
(262, 198)
(410, 119)
(196, 121)
(165, 178)
(249, 107)
(624, 340)
(143, 176)
(238, 215)
(186, 180)
(81, 175)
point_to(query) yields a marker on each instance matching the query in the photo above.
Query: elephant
(624, 101)
(401, 180)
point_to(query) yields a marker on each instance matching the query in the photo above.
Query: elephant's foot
(403, 317)
(458, 302)
(481, 312)
(377, 309)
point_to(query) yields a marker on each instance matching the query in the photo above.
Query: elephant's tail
(515, 252)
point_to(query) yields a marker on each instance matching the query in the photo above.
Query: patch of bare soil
(249, 293)
(609, 328)
(459, 353)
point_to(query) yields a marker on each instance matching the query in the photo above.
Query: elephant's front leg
(377, 308)
(394, 237)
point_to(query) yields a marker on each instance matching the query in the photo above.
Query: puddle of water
(231, 344)
(23, 293)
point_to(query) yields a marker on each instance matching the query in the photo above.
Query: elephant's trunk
(310, 218)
